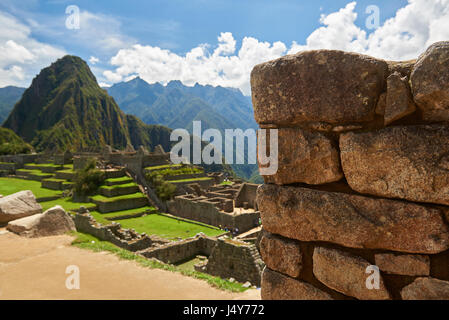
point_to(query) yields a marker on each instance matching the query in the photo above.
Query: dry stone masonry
(363, 176)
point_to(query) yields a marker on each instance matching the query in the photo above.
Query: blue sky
(205, 41)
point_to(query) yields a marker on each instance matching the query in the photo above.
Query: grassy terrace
(35, 172)
(165, 166)
(188, 180)
(117, 181)
(101, 217)
(67, 204)
(12, 185)
(101, 198)
(118, 186)
(168, 228)
(89, 242)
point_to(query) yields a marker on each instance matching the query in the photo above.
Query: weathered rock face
(406, 162)
(308, 157)
(281, 254)
(346, 273)
(399, 102)
(276, 286)
(430, 82)
(312, 86)
(18, 205)
(351, 220)
(403, 264)
(426, 289)
(54, 221)
(390, 120)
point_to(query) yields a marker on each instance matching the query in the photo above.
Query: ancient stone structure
(124, 238)
(224, 206)
(363, 178)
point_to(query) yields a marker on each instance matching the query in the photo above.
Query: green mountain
(8, 98)
(11, 143)
(177, 106)
(64, 108)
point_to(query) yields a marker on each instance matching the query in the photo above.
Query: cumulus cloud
(402, 37)
(21, 56)
(93, 60)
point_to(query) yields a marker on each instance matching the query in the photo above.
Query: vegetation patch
(89, 242)
(12, 185)
(88, 180)
(101, 198)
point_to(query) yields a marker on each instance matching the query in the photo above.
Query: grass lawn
(168, 228)
(89, 242)
(165, 166)
(188, 265)
(67, 204)
(118, 186)
(188, 180)
(101, 217)
(112, 199)
(12, 185)
(118, 180)
(36, 172)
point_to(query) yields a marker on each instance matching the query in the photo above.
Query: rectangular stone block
(276, 286)
(281, 254)
(308, 157)
(406, 162)
(403, 264)
(352, 220)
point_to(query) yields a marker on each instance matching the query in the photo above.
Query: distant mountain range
(177, 106)
(64, 108)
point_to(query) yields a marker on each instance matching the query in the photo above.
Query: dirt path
(35, 269)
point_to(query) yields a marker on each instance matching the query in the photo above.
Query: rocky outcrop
(351, 220)
(405, 162)
(18, 205)
(363, 175)
(54, 221)
(430, 82)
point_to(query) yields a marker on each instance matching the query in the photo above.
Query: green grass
(121, 179)
(35, 172)
(227, 183)
(101, 217)
(188, 180)
(12, 185)
(89, 242)
(165, 166)
(67, 204)
(118, 186)
(46, 165)
(101, 198)
(167, 227)
(189, 264)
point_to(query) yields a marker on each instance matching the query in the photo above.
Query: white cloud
(402, 37)
(21, 56)
(93, 60)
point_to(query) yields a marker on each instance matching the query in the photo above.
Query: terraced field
(118, 199)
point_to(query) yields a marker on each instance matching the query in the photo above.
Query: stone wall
(113, 233)
(178, 251)
(363, 175)
(205, 210)
(236, 259)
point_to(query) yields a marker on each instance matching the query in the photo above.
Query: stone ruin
(225, 206)
(363, 176)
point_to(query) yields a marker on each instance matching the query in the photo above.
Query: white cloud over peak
(21, 56)
(402, 37)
